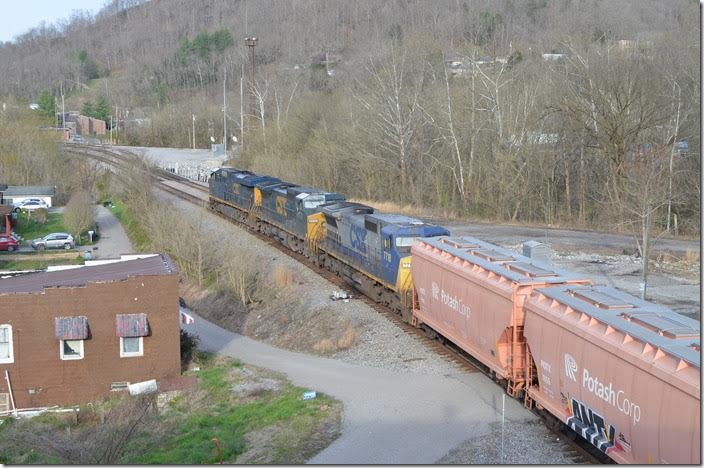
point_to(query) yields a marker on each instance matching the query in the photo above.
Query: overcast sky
(19, 16)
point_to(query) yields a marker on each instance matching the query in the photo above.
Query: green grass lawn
(29, 229)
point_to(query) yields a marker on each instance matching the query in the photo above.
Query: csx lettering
(358, 237)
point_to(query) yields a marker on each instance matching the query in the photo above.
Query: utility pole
(117, 124)
(194, 130)
(224, 109)
(111, 129)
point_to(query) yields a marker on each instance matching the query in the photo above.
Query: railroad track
(581, 451)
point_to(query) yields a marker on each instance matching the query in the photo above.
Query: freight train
(622, 373)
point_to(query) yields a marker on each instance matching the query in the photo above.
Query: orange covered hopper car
(622, 372)
(473, 293)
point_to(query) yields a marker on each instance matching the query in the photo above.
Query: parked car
(55, 240)
(9, 243)
(31, 204)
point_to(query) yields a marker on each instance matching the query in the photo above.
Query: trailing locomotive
(622, 373)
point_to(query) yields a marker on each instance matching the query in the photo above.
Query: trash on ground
(308, 395)
(341, 296)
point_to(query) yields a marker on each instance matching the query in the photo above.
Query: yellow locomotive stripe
(258, 217)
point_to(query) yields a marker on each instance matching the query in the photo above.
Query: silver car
(55, 240)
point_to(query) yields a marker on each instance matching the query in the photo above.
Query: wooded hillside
(572, 112)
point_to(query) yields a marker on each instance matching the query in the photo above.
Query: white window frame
(134, 354)
(11, 358)
(71, 358)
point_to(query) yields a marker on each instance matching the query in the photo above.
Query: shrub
(41, 215)
(189, 346)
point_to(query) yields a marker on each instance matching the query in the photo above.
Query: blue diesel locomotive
(370, 250)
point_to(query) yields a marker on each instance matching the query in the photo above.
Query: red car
(8, 243)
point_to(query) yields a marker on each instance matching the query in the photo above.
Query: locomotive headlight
(406, 265)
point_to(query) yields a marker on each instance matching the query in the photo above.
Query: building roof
(157, 265)
(25, 190)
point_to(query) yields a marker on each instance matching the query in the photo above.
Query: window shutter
(131, 325)
(71, 328)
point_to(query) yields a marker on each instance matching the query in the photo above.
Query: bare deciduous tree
(79, 214)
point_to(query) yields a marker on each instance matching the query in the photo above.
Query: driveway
(389, 418)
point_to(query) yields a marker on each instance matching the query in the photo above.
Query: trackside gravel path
(389, 417)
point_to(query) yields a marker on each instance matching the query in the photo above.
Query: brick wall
(37, 366)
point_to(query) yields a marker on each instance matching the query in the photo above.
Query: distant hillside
(140, 40)
(573, 112)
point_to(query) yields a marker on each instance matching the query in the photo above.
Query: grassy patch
(229, 418)
(137, 235)
(41, 262)
(29, 229)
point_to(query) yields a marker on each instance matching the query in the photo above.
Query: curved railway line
(581, 451)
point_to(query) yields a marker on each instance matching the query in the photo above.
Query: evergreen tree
(88, 109)
(46, 104)
(101, 109)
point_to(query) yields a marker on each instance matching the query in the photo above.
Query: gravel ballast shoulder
(381, 343)
(525, 443)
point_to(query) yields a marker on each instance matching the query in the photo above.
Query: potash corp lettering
(616, 398)
(454, 303)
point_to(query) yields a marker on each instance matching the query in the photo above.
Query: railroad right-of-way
(198, 199)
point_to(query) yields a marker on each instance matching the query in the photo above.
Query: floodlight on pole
(251, 43)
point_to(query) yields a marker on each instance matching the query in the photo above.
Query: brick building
(75, 335)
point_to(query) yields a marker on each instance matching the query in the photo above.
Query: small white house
(14, 194)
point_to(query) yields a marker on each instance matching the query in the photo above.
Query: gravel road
(564, 238)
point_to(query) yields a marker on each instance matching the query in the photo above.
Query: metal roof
(35, 282)
(504, 262)
(26, 190)
(398, 219)
(651, 323)
(338, 208)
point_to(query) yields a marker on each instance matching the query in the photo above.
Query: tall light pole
(242, 110)
(251, 42)
(224, 109)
